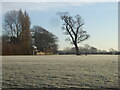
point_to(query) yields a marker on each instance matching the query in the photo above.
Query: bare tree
(44, 40)
(11, 24)
(73, 28)
(16, 25)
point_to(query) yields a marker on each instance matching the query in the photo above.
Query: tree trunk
(77, 49)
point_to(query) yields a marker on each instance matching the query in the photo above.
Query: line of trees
(87, 49)
(19, 38)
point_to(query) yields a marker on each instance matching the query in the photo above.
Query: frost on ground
(61, 71)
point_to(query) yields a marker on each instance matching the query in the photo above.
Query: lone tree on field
(73, 28)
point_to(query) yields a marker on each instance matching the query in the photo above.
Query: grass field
(61, 71)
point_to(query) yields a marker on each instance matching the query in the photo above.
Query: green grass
(98, 71)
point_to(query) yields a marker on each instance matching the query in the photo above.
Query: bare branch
(73, 28)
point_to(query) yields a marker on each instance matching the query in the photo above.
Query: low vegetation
(60, 71)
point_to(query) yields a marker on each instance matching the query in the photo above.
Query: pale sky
(101, 20)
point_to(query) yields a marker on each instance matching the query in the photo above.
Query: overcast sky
(101, 19)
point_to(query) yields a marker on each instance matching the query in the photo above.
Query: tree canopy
(44, 40)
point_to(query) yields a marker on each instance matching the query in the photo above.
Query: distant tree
(113, 51)
(73, 28)
(73, 50)
(99, 51)
(16, 25)
(44, 40)
(87, 48)
(104, 51)
(67, 50)
(94, 50)
(82, 50)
